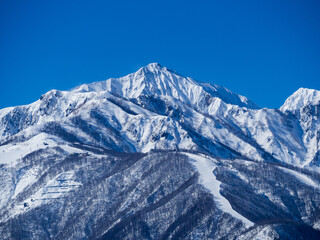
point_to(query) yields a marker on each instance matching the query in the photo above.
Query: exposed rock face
(155, 155)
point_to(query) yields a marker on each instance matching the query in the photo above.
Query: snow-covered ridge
(156, 108)
(301, 177)
(300, 98)
(157, 80)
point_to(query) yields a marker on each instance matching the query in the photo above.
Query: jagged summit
(155, 80)
(153, 65)
(300, 98)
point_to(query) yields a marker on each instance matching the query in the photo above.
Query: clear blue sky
(264, 50)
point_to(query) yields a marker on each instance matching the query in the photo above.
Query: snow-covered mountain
(129, 152)
(155, 80)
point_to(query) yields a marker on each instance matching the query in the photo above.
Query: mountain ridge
(176, 97)
(157, 80)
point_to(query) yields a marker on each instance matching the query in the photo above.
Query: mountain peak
(153, 65)
(155, 80)
(151, 68)
(300, 98)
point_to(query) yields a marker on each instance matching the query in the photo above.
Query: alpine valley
(155, 155)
